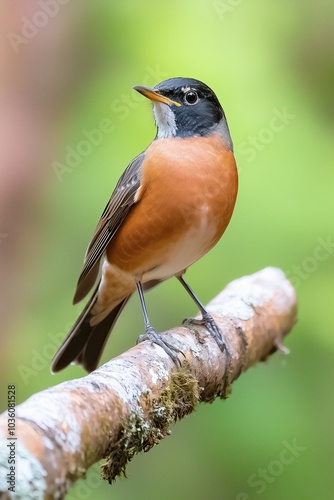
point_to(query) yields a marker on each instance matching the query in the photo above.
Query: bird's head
(185, 107)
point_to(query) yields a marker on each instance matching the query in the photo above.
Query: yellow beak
(154, 95)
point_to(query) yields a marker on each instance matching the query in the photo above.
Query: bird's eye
(191, 97)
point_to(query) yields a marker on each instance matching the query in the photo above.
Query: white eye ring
(191, 97)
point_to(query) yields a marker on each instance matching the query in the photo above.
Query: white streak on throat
(165, 120)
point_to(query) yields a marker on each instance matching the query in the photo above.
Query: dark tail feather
(84, 343)
(93, 348)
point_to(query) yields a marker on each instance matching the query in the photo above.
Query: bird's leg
(207, 320)
(153, 335)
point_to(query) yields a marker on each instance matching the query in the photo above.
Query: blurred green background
(272, 66)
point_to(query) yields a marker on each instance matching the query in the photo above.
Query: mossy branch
(127, 405)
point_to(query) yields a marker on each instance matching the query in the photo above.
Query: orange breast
(189, 187)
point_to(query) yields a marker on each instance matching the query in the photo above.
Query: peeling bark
(127, 405)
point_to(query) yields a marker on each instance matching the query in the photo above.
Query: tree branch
(127, 405)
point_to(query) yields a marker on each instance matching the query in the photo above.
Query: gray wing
(112, 217)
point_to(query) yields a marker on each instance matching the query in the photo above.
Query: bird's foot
(208, 321)
(155, 338)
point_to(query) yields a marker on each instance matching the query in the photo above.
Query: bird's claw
(208, 321)
(155, 338)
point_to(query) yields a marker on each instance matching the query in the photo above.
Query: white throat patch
(165, 120)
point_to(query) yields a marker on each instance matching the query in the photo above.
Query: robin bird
(169, 208)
